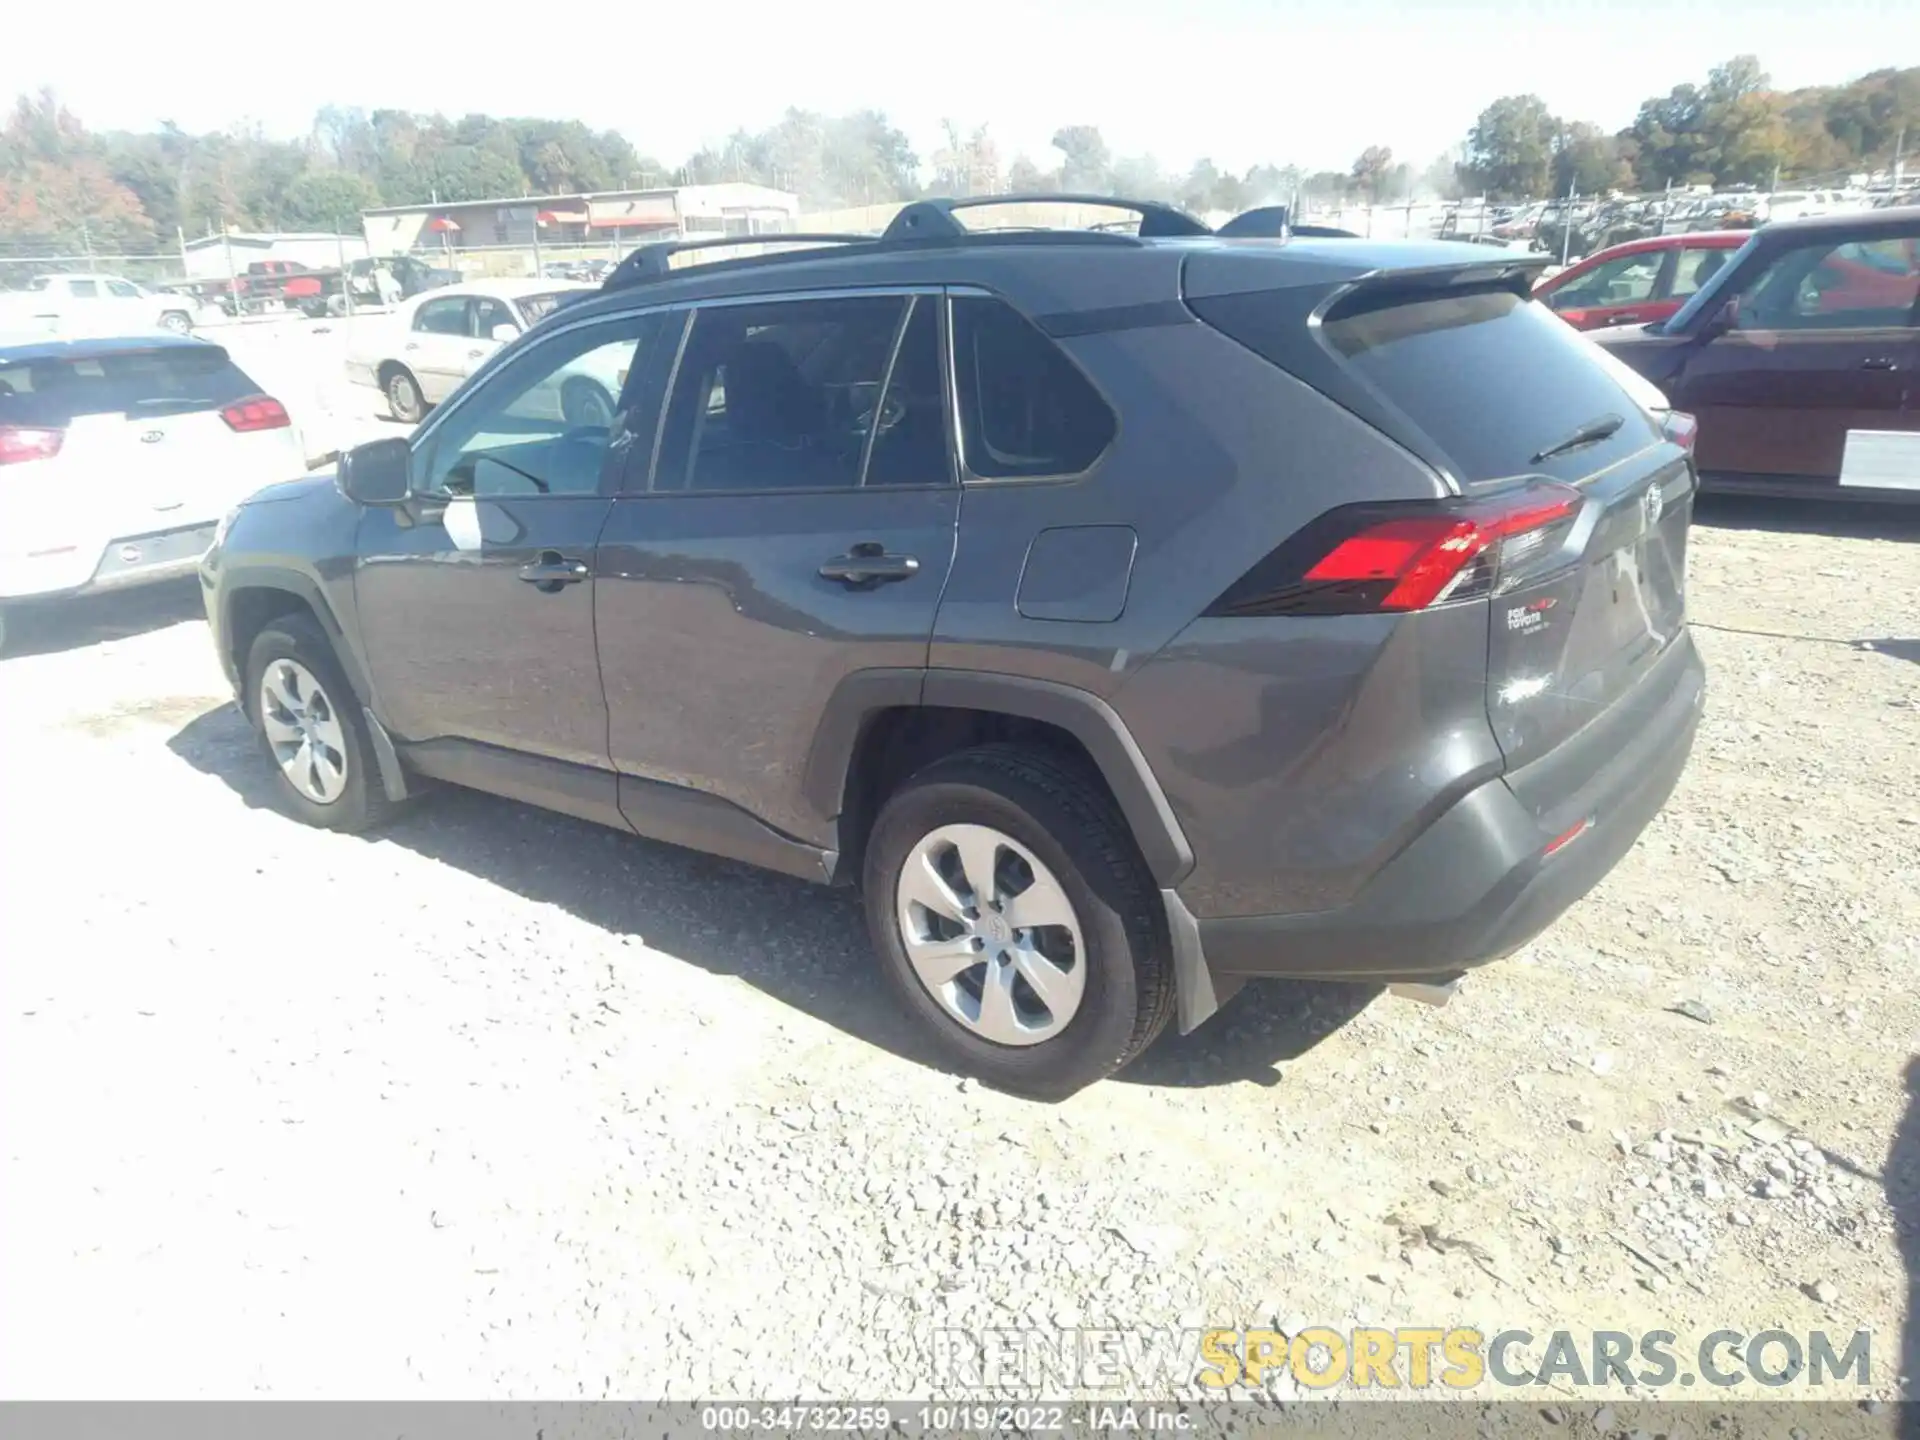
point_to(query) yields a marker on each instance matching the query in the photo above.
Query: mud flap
(393, 777)
(1195, 999)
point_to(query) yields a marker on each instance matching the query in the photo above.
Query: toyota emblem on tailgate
(150, 437)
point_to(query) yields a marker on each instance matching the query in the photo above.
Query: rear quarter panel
(1218, 458)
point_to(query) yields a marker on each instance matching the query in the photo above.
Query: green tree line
(63, 186)
(1734, 129)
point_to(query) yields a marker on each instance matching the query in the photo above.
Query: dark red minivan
(1800, 360)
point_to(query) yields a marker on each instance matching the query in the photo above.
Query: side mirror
(504, 332)
(379, 472)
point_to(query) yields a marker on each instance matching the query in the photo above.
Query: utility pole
(233, 278)
(346, 280)
(1566, 228)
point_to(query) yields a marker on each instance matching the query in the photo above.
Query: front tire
(177, 322)
(1015, 920)
(312, 728)
(404, 399)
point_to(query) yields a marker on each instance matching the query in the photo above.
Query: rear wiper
(1591, 433)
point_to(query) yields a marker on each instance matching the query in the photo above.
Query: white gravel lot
(498, 1103)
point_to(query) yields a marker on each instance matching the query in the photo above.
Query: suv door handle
(553, 572)
(1880, 362)
(867, 565)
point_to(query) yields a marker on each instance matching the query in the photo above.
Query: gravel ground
(497, 1103)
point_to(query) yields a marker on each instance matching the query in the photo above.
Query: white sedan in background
(422, 352)
(119, 456)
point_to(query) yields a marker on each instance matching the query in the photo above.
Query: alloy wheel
(991, 934)
(305, 733)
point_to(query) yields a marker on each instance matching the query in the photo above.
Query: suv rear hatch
(1574, 497)
(142, 430)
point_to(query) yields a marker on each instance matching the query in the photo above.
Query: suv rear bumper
(1478, 883)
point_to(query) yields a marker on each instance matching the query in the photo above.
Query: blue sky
(1240, 81)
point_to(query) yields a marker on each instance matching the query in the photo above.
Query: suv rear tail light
(1680, 428)
(1373, 558)
(26, 442)
(256, 412)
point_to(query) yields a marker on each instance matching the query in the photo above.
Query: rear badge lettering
(1525, 619)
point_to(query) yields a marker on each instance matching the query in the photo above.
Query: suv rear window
(1025, 409)
(1488, 378)
(54, 391)
(1492, 379)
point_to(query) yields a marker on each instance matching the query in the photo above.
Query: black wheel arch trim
(1085, 716)
(235, 579)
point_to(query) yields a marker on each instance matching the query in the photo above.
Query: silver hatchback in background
(120, 455)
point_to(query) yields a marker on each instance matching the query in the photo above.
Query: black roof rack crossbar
(934, 219)
(654, 261)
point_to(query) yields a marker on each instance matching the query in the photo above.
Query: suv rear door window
(54, 392)
(1025, 408)
(783, 396)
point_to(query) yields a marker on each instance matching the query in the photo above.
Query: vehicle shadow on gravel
(801, 944)
(1841, 519)
(51, 627)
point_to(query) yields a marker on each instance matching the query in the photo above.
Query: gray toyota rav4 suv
(1126, 615)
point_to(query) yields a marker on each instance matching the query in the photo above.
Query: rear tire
(1045, 820)
(311, 727)
(404, 399)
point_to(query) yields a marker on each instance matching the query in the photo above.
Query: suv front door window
(799, 528)
(477, 601)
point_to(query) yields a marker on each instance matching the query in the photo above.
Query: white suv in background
(95, 305)
(119, 457)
